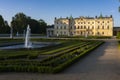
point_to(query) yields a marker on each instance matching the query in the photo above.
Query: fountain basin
(35, 45)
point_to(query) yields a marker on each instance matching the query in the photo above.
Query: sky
(49, 9)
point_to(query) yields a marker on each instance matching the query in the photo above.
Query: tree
(19, 22)
(34, 25)
(43, 26)
(4, 27)
(118, 35)
(7, 27)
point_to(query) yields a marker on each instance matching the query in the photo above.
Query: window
(98, 27)
(84, 27)
(81, 27)
(107, 27)
(81, 33)
(92, 32)
(107, 21)
(88, 22)
(92, 22)
(57, 27)
(98, 33)
(61, 32)
(102, 32)
(64, 33)
(102, 27)
(92, 27)
(64, 27)
(74, 32)
(74, 27)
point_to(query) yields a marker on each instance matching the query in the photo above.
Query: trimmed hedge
(53, 64)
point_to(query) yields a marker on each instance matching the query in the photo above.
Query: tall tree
(34, 25)
(19, 22)
(4, 27)
(43, 26)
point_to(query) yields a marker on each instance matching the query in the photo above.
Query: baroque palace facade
(82, 26)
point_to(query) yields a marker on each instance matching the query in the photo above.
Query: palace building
(82, 26)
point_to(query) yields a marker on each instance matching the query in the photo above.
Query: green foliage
(118, 35)
(4, 27)
(20, 21)
(66, 54)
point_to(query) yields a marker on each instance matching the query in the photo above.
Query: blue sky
(48, 9)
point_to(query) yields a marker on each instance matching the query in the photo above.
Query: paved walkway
(101, 64)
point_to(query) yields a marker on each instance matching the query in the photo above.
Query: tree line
(19, 23)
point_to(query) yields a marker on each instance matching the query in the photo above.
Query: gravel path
(101, 64)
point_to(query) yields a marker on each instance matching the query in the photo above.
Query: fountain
(28, 44)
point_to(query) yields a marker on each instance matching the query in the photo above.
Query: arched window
(84, 27)
(102, 27)
(107, 27)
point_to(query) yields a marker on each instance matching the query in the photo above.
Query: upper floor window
(98, 27)
(61, 27)
(64, 27)
(102, 27)
(57, 27)
(74, 27)
(84, 27)
(81, 27)
(107, 27)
